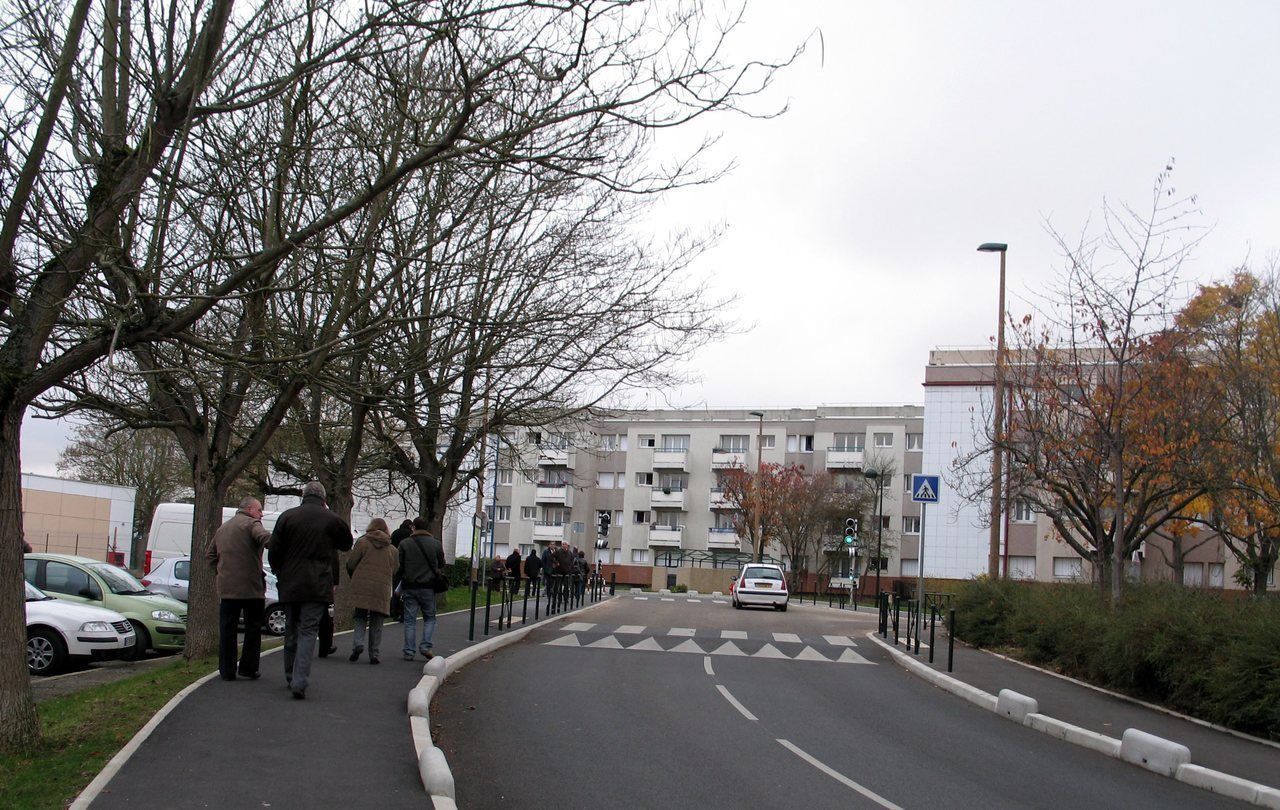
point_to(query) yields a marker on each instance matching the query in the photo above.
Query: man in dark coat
(236, 557)
(513, 572)
(397, 606)
(532, 567)
(305, 542)
(421, 559)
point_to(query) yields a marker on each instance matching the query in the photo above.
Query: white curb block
(436, 776)
(1268, 797)
(1073, 734)
(443, 803)
(1015, 706)
(1217, 782)
(419, 702)
(1152, 752)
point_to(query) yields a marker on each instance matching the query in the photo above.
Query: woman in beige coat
(371, 565)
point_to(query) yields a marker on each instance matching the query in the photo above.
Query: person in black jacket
(397, 606)
(513, 572)
(304, 545)
(421, 559)
(532, 567)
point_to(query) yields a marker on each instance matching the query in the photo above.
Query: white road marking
(641, 598)
(630, 629)
(839, 777)
(578, 627)
(647, 644)
(682, 631)
(770, 651)
(810, 654)
(570, 640)
(608, 643)
(688, 646)
(706, 664)
(740, 635)
(735, 704)
(693, 600)
(728, 648)
(665, 599)
(792, 637)
(840, 641)
(851, 657)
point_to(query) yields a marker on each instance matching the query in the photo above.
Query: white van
(171, 527)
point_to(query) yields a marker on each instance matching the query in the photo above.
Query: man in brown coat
(236, 556)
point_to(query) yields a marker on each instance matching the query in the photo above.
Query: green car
(159, 621)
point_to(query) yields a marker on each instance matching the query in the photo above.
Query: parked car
(159, 622)
(59, 631)
(760, 584)
(172, 577)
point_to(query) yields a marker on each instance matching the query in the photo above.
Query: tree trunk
(19, 723)
(202, 602)
(342, 502)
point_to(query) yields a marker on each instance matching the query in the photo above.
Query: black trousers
(326, 633)
(229, 613)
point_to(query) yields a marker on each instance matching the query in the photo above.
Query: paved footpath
(249, 744)
(1105, 713)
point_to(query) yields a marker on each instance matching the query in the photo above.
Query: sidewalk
(1098, 711)
(247, 743)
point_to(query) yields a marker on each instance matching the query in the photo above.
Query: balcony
(663, 535)
(667, 498)
(844, 458)
(559, 494)
(718, 500)
(553, 456)
(669, 459)
(722, 459)
(547, 532)
(723, 538)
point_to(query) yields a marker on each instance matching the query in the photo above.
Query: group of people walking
(303, 552)
(561, 567)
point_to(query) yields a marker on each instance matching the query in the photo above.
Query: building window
(675, 442)
(640, 556)
(525, 550)
(506, 476)
(734, 444)
(528, 513)
(850, 441)
(871, 564)
(915, 441)
(1022, 567)
(884, 523)
(640, 516)
(644, 479)
(1022, 512)
(1068, 569)
(766, 441)
(910, 525)
(911, 568)
(883, 440)
(1216, 579)
(906, 483)
(646, 440)
(1193, 575)
(613, 441)
(605, 480)
(556, 515)
(503, 514)
(676, 482)
(799, 444)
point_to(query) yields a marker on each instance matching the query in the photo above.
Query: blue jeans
(302, 625)
(374, 622)
(416, 599)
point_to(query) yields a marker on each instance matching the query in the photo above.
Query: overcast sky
(918, 130)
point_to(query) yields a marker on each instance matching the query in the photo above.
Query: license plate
(763, 585)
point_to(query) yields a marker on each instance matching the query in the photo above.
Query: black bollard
(471, 633)
(488, 600)
(524, 610)
(951, 638)
(933, 615)
(537, 598)
(613, 583)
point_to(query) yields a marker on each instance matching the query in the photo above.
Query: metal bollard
(613, 583)
(951, 638)
(471, 632)
(524, 610)
(488, 599)
(919, 623)
(537, 597)
(933, 615)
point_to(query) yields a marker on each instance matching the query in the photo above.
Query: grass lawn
(81, 732)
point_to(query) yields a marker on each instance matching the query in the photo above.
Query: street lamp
(759, 511)
(997, 473)
(873, 475)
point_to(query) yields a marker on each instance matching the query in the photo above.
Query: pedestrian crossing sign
(924, 488)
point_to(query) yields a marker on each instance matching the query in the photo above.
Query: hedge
(1194, 651)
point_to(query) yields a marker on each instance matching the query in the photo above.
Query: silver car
(760, 584)
(172, 577)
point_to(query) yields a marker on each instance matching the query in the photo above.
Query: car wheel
(46, 652)
(141, 642)
(276, 618)
(783, 607)
(737, 604)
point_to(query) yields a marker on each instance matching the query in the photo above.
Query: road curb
(433, 766)
(1140, 748)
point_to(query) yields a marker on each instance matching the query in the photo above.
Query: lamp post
(873, 475)
(997, 472)
(759, 550)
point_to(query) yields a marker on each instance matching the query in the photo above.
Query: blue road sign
(924, 488)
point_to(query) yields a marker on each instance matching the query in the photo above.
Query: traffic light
(850, 531)
(602, 528)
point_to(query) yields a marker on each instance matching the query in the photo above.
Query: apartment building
(657, 475)
(957, 411)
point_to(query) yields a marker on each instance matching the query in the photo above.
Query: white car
(760, 584)
(58, 631)
(172, 577)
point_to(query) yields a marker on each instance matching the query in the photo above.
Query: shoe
(408, 656)
(299, 694)
(355, 653)
(427, 655)
(373, 659)
(253, 676)
(326, 653)
(228, 677)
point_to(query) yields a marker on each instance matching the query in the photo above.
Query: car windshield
(119, 580)
(762, 573)
(34, 594)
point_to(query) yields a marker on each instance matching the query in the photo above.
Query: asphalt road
(639, 703)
